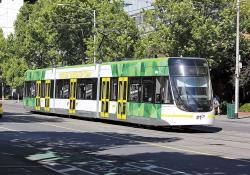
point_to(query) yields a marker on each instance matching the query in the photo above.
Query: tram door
(122, 98)
(47, 95)
(105, 97)
(38, 95)
(72, 97)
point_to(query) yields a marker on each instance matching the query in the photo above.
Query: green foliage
(199, 28)
(245, 108)
(61, 32)
(13, 71)
(116, 33)
(223, 107)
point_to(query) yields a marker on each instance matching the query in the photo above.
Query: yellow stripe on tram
(211, 116)
(177, 115)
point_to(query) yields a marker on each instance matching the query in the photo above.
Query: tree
(61, 32)
(116, 33)
(13, 72)
(198, 28)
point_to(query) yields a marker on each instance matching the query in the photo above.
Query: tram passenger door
(72, 97)
(105, 97)
(47, 95)
(122, 98)
(38, 95)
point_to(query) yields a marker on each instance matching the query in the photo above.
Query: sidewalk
(242, 117)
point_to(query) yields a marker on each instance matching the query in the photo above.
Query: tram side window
(91, 89)
(81, 89)
(148, 89)
(114, 89)
(166, 91)
(52, 89)
(42, 89)
(59, 88)
(30, 89)
(62, 89)
(65, 89)
(135, 89)
(86, 89)
(158, 89)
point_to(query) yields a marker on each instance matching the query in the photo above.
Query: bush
(223, 107)
(245, 107)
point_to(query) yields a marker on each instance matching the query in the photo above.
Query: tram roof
(128, 66)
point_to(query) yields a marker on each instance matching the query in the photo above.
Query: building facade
(135, 8)
(8, 14)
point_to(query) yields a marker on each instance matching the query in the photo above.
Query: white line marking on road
(48, 167)
(150, 167)
(10, 129)
(64, 171)
(13, 166)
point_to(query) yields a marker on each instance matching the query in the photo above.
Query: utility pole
(2, 91)
(94, 37)
(237, 69)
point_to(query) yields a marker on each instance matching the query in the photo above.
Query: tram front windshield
(191, 84)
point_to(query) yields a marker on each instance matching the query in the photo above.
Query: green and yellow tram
(162, 91)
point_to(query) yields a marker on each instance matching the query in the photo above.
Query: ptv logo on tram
(199, 117)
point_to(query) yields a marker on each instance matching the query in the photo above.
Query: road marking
(10, 129)
(149, 143)
(151, 167)
(13, 166)
(64, 171)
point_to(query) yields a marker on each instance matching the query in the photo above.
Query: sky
(8, 13)
(135, 6)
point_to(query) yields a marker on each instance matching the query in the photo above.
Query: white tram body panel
(174, 116)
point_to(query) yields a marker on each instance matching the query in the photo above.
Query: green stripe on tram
(31, 102)
(33, 75)
(144, 110)
(148, 67)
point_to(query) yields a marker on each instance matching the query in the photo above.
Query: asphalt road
(43, 145)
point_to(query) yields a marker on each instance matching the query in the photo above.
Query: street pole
(237, 69)
(2, 91)
(94, 37)
(54, 87)
(98, 70)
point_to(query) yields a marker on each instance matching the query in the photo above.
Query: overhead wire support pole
(237, 69)
(94, 36)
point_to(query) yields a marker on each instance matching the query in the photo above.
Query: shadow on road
(24, 118)
(113, 153)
